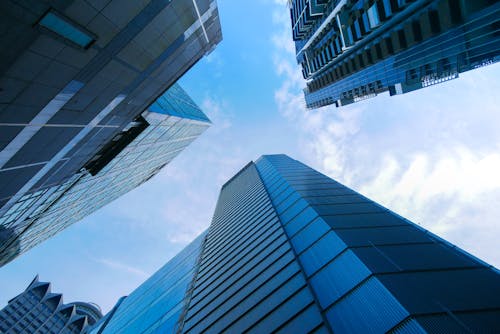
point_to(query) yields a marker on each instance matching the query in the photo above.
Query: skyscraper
(131, 158)
(38, 310)
(290, 250)
(350, 50)
(81, 83)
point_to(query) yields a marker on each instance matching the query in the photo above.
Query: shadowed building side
(76, 84)
(133, 157)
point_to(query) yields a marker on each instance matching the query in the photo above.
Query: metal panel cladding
(372, 270)
(249, 279)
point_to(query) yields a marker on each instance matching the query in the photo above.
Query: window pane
(373, 16)
(66, 29)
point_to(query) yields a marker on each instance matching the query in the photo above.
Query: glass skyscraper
(38, 310)
(290, 250)
(351, 50)
(85, 114)
(165, 293)
(134, 156)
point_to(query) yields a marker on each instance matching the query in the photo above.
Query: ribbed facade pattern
(290, 250)
(160, 301)
(372, 270)
(249, 279)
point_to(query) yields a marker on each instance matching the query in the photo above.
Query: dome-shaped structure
(90, 310)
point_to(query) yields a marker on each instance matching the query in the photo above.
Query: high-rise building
(38, 310)
(131, 158)
(290, 250)
(82, 84)
(351, 50)
(166, 292)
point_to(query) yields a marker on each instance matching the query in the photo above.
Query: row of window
(248, 289)
(255, 275)
(244, 235)
(303, 18)
(109, 184)
(239, 250)
(357, 24)
(426, 74)
(421, 27)
(333, 271)
(221, 238)
(340, 265)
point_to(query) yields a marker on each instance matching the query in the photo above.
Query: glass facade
(249, 279)
(353, 50)
(158, 303)
(87, 84)
(38, 310)
(136, 154)
(290, 250)
(372, 270)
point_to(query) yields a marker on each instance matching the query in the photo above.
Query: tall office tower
(290, 250)
(131, 158)
(158, 304)
(350, 50)
(75, 82)
(38, 310)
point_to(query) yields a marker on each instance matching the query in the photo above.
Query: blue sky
(432, 156)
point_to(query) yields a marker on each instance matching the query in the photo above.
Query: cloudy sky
(432, 155)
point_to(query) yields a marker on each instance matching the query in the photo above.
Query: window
(357, 29)
(332, 51)
(387, 8)
(402, 3)
(66, 29)
(338, 49)
(350, 38)
(366, 23)
(373, 16)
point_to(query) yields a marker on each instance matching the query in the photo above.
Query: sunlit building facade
(135, 155)
(351, 50)
(38, 310)
(290, 250)
(166, 292)
(81, 86)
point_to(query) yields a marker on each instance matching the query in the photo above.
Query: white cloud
(216, 63)
(431, 155)
(116, 265)
(218, 111)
